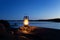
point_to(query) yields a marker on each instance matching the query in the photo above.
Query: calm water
(53, 25)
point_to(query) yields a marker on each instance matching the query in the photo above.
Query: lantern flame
(26, 22)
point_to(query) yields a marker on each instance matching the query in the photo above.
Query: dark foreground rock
(40, 34)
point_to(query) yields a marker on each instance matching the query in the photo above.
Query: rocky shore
(39, 33)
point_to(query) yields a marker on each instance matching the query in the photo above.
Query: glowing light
(26, 22)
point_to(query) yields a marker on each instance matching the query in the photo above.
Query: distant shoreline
(49, 20)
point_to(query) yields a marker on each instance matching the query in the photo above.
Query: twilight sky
(35, 9)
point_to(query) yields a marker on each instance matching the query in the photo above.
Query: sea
(44, 24)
